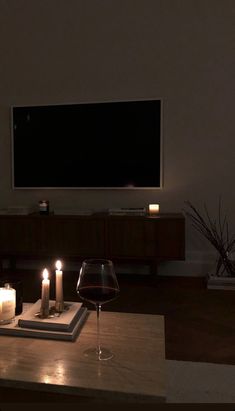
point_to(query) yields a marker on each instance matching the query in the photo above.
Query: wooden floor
(199, 323)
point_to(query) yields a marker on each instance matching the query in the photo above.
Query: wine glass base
(104, 355)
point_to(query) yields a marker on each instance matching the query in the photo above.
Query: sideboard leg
(153, 277)
(153, 268)
(12, 263)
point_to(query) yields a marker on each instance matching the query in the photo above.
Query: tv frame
(89, 188)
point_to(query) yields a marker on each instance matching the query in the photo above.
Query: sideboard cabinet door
(125, 237)
(170, 239)
(154, 238)
(73, 236)
(19, 235)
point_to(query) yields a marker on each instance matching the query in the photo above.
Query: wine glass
(97, 283)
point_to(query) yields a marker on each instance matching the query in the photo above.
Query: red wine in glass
(98, 294)
(97, 284)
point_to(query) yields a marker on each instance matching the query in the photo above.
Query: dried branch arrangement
(217, 233)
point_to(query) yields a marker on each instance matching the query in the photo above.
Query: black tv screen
(87, 145)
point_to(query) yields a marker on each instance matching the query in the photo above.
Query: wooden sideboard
(142, 239)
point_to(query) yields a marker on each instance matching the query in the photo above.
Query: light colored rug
(197, 382)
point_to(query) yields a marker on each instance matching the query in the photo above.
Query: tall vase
(222, 276)
(225, 267)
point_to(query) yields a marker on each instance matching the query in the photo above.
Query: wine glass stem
(98, 310)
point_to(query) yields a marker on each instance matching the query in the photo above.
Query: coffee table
(135, 374)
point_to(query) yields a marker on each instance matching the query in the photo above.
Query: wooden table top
(135, 373)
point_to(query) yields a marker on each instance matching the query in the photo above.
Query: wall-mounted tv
(87, 145)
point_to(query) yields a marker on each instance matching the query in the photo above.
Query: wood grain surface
(136, 372)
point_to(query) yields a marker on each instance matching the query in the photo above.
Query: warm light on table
(154, 209)
(59, 304)
(7, 304)
(45, 294)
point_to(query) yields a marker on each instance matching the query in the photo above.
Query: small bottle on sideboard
(43, 207)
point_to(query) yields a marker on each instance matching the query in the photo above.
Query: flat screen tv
(87, 145)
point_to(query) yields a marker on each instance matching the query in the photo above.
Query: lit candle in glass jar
(154, 209)
(7, 304)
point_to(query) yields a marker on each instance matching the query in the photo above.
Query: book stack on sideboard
(127, 211)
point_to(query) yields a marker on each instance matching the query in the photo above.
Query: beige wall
(63, 51)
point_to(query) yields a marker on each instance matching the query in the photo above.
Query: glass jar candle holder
(153, 209)
(7, 304)
(17, 284)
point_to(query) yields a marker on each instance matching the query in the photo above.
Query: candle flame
(58, 265)
(45, 274)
